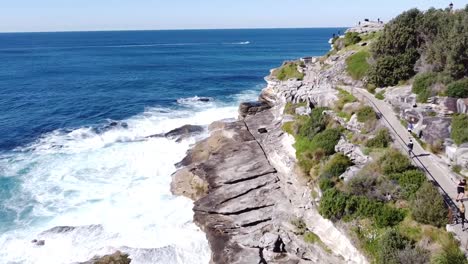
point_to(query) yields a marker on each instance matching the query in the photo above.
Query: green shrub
(326, 183)
(394, 161)
(451, 254)
(366, 113)
(459, 129)
(389, 245)
(343, 98)
(410, 181)
(326, 141)
(333, 204)
(423, 82)
(290, 108)
(336, 166)
(458, 89)
(381, 140)
(389, 70)
(311, 238)
(312, 125)
(422, 85)
(357, 65)
(428, 207)
(288, 71)
(388, 216)
(380, 95)
(351, 38)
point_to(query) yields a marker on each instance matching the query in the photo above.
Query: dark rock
(116, 258)
(252, 108)
(67, 229)
(181, 133)
(262, 130)
(40, 243)
(184, 131)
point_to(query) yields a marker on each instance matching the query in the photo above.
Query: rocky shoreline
(246, 191)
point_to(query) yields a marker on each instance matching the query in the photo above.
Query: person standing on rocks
(461, 190)
(410, 147)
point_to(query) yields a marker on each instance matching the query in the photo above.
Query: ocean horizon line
(143, 30)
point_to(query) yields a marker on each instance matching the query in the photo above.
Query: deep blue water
(66, 80)
(60, 165)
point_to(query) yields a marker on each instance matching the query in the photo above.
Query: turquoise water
(64, 162)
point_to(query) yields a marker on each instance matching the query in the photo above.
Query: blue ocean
(76, 109)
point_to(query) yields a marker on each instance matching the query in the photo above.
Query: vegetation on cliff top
(288, 71)
(389, 206)
(432, 41)
(460, 129)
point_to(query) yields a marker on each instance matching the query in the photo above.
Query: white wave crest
(116, 178)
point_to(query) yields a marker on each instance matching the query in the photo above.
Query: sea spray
(112, 185)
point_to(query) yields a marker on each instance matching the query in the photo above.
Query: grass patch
(357, 65)
(344, 98)
(290, 108)
(288, 71)
(459, 132)
(380, 95)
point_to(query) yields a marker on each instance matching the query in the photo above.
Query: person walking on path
(461, 208)
(461, 190)
(410, 147)
(410, 127)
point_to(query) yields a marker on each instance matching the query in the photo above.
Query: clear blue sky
(66, 15)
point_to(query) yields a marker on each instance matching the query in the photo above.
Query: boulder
(186, 183)
(181, 133)
(303, 110)
(461, 156)
(252, 108)
(353, 152)
(436, 129)
(116, 258)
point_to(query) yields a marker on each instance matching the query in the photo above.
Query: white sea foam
(117, 179)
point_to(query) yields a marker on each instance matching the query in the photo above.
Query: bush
(458, 89)
(380, 95)
(422, 86)
(451, 254)
(333, 204)
(336, 166)
(410, 181)
(381, 140)
(413, 255)
(459, 129)
(357, 65)
(388, 216)
(288, 71)
(326, 183)
(389, 244)
(312, 125)
(326, 141)
(428, 207)
(366, 113)
(351, 38)
(344, 98)
(394, 162)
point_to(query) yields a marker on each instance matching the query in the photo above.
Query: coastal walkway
(437, 172)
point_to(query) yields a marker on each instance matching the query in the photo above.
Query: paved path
(429, 162)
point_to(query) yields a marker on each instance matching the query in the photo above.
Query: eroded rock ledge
(249, 198)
